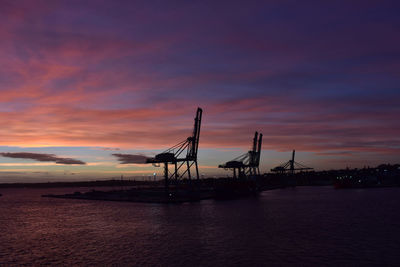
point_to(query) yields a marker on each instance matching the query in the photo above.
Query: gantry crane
(248, 163)
(290, 167)
(176, 155)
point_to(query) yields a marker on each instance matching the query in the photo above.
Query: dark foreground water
(305, 226)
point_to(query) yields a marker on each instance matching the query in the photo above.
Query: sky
(82, 80)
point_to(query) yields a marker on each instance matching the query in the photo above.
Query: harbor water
(302, 226)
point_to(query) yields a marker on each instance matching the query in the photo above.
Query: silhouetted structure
(248, 163)
(290, 167)
(175, 155)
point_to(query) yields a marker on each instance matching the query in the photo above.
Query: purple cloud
(42, 157)
(128, 158)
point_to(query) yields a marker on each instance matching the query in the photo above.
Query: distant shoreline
(384, 174)
(79, 184)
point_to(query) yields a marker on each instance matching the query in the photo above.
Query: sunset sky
(82, 80)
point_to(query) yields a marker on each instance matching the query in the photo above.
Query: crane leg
(197, 170)
(176, 171)
(166, 176)
(188, 168)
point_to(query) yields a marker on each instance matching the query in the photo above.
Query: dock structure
(291, 166)
(248, 163)
(182, 155)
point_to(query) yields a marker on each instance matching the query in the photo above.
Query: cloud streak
(129, 159)
(42, 157)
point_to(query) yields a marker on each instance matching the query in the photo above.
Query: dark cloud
(41, 157)
(128, 158)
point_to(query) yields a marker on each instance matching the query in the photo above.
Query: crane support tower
(290, 167)
(183, 153)
(248, 163)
